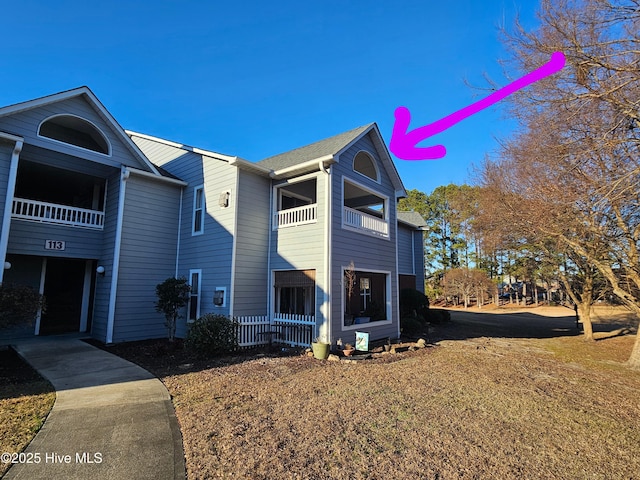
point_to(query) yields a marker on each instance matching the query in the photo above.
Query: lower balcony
(44, 212)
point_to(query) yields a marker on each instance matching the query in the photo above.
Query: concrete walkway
(111, 419)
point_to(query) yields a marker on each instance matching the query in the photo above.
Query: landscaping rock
(333, 358)
(422, 343)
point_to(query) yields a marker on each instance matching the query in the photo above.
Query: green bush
(412, 325)
(213, 334)
(438, 316)
(413, 303)
(18, 304)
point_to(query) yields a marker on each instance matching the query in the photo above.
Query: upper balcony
(51, 195)
(296, 205)
(365, 211)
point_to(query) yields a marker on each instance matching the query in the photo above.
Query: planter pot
(320, 350)
(361, 320)
(348, 353)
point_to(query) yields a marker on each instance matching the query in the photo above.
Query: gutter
(11, 188)
(322, 162)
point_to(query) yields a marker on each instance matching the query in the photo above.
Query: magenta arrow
(403, 143)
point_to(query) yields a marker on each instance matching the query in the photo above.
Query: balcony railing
(44, 212)
(364, 222)
(296, 216)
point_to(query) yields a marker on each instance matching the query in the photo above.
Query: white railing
(59, 214)
(284, 329)
(365, 222)
(296, 216)
(294, 330)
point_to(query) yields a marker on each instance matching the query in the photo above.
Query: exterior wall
(418, 254)
(406, 263)
(366, 251)
(106, 259)
(147, 256)
(251, 273)
(303, 247)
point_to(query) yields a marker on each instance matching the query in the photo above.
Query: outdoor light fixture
(100, 270)
(7, 265)
(223, 201)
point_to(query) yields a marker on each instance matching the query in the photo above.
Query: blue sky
(255, 79)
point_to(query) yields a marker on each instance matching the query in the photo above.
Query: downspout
(234, 244)
(11, 189)
(395, 224)
(270, 230)
(327, 248)
(124, 175)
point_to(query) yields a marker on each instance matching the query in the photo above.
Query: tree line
(561, 199)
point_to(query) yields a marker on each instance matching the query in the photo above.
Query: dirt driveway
(531, 322)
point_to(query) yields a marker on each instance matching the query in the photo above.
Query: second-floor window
(198, 211)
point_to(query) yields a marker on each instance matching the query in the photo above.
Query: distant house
(94, 217)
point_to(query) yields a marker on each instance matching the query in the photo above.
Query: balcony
(292, 217)
(365, 223)
(44, 212)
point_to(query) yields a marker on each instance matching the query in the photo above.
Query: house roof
(96, 104)
(322, 148)
(413, 219)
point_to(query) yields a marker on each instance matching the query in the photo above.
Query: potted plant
(348, 350)
(320, 349)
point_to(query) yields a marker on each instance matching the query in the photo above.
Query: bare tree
(574, 167)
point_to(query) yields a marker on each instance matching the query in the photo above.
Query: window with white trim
(195, 282)
(366, 295)
(198, 211)
(365, 165)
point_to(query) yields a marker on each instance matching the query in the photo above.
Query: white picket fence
(284, 329)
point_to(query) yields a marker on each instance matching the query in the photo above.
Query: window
(195, 281)
(365, 296)
(198, 211)
(295, 292)
(75, 131)
(364, 164)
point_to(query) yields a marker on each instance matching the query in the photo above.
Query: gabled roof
(413, 219)
(328, 146)
(95, 103)
(303, 159)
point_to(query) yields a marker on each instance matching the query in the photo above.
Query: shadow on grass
(18, 378)
(467, 324)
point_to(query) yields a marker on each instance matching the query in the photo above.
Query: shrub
(412, 325)
(438, 316)
(213, 334)
(18, 304)
(413, 303)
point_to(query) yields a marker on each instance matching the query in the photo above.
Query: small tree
(173, 294)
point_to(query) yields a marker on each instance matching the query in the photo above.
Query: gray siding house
(94, 217)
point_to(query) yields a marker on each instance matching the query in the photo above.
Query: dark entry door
(63, 284)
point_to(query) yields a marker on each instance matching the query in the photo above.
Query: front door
(63, 290)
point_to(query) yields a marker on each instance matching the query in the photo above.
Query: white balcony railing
(44, 212)
(296, 216)
(365, 222)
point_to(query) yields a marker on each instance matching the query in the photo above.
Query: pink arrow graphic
(403, 143)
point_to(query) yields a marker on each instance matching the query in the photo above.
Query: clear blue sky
(256, 78)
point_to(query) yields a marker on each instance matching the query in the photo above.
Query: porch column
(8, 205)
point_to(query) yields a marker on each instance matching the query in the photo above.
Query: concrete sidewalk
(111, 419)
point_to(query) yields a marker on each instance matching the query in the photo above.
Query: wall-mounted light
(7, 265)
(100, 270)
(223, 201)
(219, 296)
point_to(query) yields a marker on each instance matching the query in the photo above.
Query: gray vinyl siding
(103, 283)
(147, 256)
(252, 243)
(28, 238)
(367, 252)
(303, 247)
(26, 124)
(405, 250)
(6, 149)
(418, 245)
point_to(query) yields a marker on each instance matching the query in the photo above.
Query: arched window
(75, 131)
(365, 165)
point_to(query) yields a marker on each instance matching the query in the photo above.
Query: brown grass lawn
(471, 407)
(25, 401)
